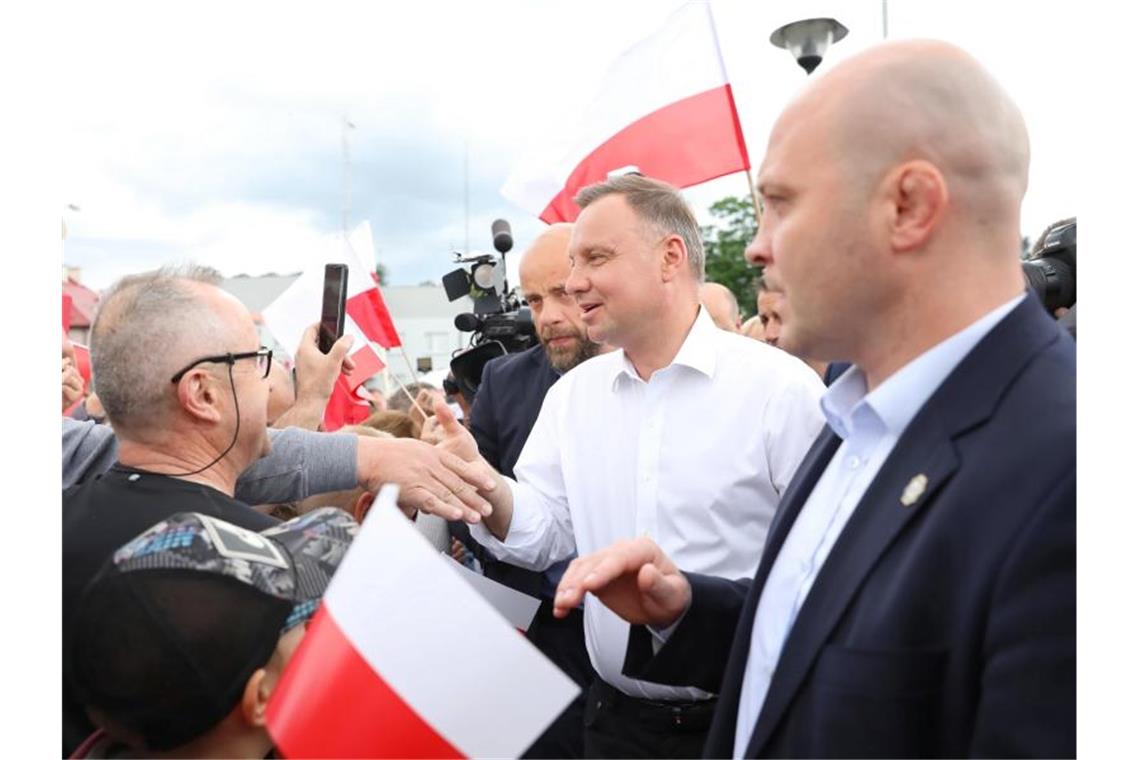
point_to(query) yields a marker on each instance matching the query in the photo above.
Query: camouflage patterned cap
(175, 623)
(294, 560)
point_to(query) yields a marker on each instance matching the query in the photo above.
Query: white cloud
(214, 128)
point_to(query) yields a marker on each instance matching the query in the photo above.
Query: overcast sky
(213, 132)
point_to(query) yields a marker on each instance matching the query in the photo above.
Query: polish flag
(405, 659)
(666, 108)
(366, 318)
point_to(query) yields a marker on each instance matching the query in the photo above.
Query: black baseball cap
(169, 631)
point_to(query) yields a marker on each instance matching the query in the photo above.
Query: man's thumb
(657, 587)
(340, 349)
(446, 419)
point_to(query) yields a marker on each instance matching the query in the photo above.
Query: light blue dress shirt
(870, 425)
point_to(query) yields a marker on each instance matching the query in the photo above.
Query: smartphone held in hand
(332, 306)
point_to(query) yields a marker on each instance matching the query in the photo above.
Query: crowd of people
(843, 527)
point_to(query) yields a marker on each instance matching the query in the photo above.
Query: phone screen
(332, 305)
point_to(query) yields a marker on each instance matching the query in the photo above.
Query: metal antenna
(346, 204)
(466, 197)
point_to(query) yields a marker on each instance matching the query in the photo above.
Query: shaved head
(543, 270)
(925, 100)
(721, 305)
(553, 243)
(892, 189)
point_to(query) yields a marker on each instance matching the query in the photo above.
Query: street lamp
(808, 40)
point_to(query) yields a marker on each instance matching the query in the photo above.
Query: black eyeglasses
(263, 355)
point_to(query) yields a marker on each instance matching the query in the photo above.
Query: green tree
(381, 274)
(725, 241)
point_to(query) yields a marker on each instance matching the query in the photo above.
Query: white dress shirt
(869, 424)
(696, 458)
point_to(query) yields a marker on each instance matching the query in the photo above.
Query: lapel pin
(914, 489)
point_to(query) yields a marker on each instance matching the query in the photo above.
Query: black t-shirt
(105, 512)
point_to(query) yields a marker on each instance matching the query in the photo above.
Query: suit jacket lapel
(803, 482)
(967, 398)
(872, 527)
(723, 728)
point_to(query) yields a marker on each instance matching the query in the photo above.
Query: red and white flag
(405, 659)
(516, 607)
(366, 318)
(666, 108)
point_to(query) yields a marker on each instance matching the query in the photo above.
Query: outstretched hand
(451, 436)
(431, 480)
(634, 578)
(457, 441)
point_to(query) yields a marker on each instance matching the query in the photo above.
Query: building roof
(421, 302)
(258, 292)
(404, 301)
(84, 301)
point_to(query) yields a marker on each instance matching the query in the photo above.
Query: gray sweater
(301, 463)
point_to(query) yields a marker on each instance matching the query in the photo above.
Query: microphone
(501, 234)
(467, 322)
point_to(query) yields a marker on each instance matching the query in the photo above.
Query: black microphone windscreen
(501, 235)
(467, 322)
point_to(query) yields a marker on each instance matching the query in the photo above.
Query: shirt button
(854, 463)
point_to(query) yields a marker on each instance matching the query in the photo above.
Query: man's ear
(674, 258)
(200, 395)
(255, 698)
(918, 200)
(362, 505)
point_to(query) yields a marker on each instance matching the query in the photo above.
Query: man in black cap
(183, 635)
(183, 379)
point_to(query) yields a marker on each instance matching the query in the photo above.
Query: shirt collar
(697, 352)
(901, 395)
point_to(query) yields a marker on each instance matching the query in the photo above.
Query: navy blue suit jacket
(504, 411)
(833, 371)
(943, 628)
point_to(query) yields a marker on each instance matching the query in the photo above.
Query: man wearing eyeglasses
(183, 379)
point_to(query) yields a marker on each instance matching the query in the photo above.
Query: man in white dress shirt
(689, 435)
(917, 596)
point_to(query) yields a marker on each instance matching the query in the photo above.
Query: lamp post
(808, 40)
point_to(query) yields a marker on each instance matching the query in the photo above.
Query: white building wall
(425, 337)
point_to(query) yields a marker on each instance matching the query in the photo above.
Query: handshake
(441, 474)
(634, 578)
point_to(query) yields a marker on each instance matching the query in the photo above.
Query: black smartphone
(332, 306)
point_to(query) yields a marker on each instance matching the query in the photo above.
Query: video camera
(1051, 268)
(500, 323)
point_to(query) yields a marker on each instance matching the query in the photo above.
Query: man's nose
(575, 282)
(555, 314)
(758, 252)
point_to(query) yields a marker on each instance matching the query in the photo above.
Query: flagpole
(755, 197)
(404, 353)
